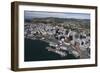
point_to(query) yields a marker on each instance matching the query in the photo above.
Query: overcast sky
(42, 14)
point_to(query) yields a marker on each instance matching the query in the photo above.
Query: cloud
(42, 14)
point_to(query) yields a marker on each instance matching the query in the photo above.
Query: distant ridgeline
(65, 22)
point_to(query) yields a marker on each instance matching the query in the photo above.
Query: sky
(42, 14)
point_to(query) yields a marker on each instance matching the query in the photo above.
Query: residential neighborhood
(68, 37)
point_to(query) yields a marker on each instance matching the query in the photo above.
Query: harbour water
(35, 51)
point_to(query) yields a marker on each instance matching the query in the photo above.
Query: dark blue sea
(35, 51)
